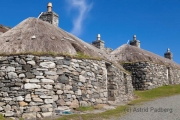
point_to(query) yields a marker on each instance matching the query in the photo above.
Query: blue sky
(155, 22)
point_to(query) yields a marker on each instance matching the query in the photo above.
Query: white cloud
(83, 9)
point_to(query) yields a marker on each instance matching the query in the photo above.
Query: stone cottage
(148, 70)
(41, 73)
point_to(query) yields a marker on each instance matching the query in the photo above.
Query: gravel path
(167, 108)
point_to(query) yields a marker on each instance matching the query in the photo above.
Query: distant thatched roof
(128, 53)
(3, 29)
(34, 35)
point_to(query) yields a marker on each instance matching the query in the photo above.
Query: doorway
(111, 87)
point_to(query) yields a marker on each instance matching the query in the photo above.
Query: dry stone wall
(35, 87)
(119, 84)
(146, 75)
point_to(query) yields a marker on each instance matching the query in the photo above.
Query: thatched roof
(128, 53)
(35, 35)
(3, 29)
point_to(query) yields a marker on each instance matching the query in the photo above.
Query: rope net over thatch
(34, 35)
(128, 53)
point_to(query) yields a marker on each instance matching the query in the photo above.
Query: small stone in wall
(42, 69)
(66, 62)
(22, 104)
(55, 97)
(58, 86)
(47, 81)
(59, 92)
(59, 58)
(82, 78)
(26, 67)
(83, 103)
(80, 84)
(21, 61)
(76, 65)
(68, 87)
(59, 62)
(7, 99)
(69, 96)
(12, 75)
(39, 77)
(93, 100)
(39, 116)
(46, 114)
(59, 72)
(61, 102)
(28, 98)
(51, 73)
(63, 79)
(74, 104)
(74, 96)
(47, 64)
(2, 74)
(79, 92)
(68, 103)
(74, 88)
(20, 98)
(9, 114)
(30, 75)
(1, 109)
(31, 86)
(52, 77)
(31, 63)
(45, 97)
(36, 103)
(2, 103)
(36, 99)
(34, 81)
(98, 101)
(49, 87)
(47, 58)
(22, 75)
(7, 107)
(10, 69)
(27, 116)
(47, 101)
(34, 109)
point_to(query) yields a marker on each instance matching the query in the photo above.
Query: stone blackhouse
(44, 69)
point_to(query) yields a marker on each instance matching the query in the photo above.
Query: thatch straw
(34, 35)
(128, 53)
(4, 29)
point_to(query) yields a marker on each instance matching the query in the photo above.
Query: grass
(79, 55)
(2, 118)
(82, 109)
(163, 91)
(142, 96)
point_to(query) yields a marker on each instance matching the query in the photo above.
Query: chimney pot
(168, 50)
(49, 7)
(98, 37)
(134, 37)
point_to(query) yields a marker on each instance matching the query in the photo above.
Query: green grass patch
(82, 109)
(79, 55)
(163, 91)
(3, 118)
(142, 96)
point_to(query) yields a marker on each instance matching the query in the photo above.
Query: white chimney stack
(134, 37)
(49, 7)
(98, 37)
